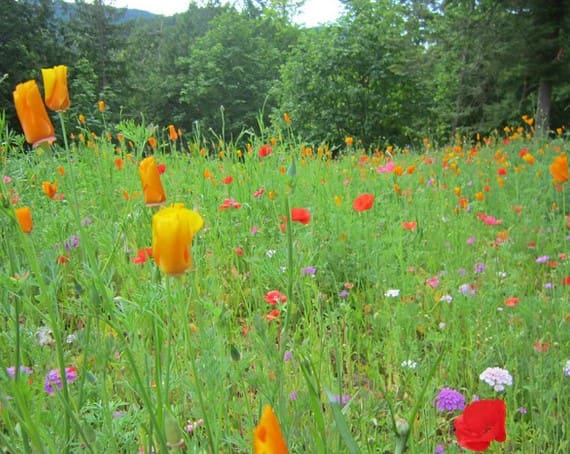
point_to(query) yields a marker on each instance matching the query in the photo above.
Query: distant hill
(64, 9)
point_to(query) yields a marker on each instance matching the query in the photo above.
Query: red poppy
(228, 179)
(142, 255)
(301, 215)
(161, 168)
(566, 280)
(275, 296)
(409, 225)
(363, 202)
(481, 423)
(272, 315)
(512, 301)
(265, 150)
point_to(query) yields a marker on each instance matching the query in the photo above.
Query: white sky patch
(314, 12)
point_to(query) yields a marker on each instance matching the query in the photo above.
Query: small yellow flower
(101, 106)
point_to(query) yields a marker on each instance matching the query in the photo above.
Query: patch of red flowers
(142, 256)
(363, 202)
(481, 423)
(301, 215)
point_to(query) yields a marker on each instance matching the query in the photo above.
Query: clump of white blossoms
(567, 368)
(497, 378)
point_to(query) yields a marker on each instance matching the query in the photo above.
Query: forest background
(386, 72)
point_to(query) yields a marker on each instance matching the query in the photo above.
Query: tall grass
(460, 265)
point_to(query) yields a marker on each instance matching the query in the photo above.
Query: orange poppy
(172, 133)
(267, 435)
(32, 114)
(153, 190)
(363, 202)
(559, 169)
(49, 188)
(24, 217)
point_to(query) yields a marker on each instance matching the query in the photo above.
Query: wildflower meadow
(163, 292)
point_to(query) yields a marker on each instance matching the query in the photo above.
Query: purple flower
(542, 259)
(343, 293)
(86, 222)
(439, 449)
(11, 371)
(467, 289)
(53, 379)
(71, 243)
(522, 410)
(309, 271)
(479, 268)
(449, 399)
(293, 395)
(287, 356)
(470, 240)
(342, 399)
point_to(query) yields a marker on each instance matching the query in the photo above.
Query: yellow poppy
(153, 190)
(55, 88)
(173, 229)
(24, 216)
(32, 114)
(267, 436)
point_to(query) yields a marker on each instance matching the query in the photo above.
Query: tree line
(387, 71)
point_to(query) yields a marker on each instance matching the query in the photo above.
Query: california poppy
(55, 88)
(153, 190)
(24, 217)
(49, 189)
(267, 435)
(173, 229)
(559, 169)
(172, 134)
(32, 114)
(301, 215)
(482, 422)
(363, 202)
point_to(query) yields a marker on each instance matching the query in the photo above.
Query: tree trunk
(542, 117)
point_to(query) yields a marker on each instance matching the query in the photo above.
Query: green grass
(154, 352)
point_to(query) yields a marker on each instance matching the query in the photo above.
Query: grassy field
(349, 324)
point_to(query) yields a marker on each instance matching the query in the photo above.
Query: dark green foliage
(387, 71)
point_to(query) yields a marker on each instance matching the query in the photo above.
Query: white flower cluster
(497, 378)
(567, 368)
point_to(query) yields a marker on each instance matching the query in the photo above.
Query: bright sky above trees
(313, 13)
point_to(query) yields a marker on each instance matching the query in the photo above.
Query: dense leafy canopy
(386, 72)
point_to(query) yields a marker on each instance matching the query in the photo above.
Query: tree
(231, 69)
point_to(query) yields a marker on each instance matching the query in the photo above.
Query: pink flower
(389, 167)
(433, 282)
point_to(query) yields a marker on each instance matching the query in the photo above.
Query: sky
(314, 12)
